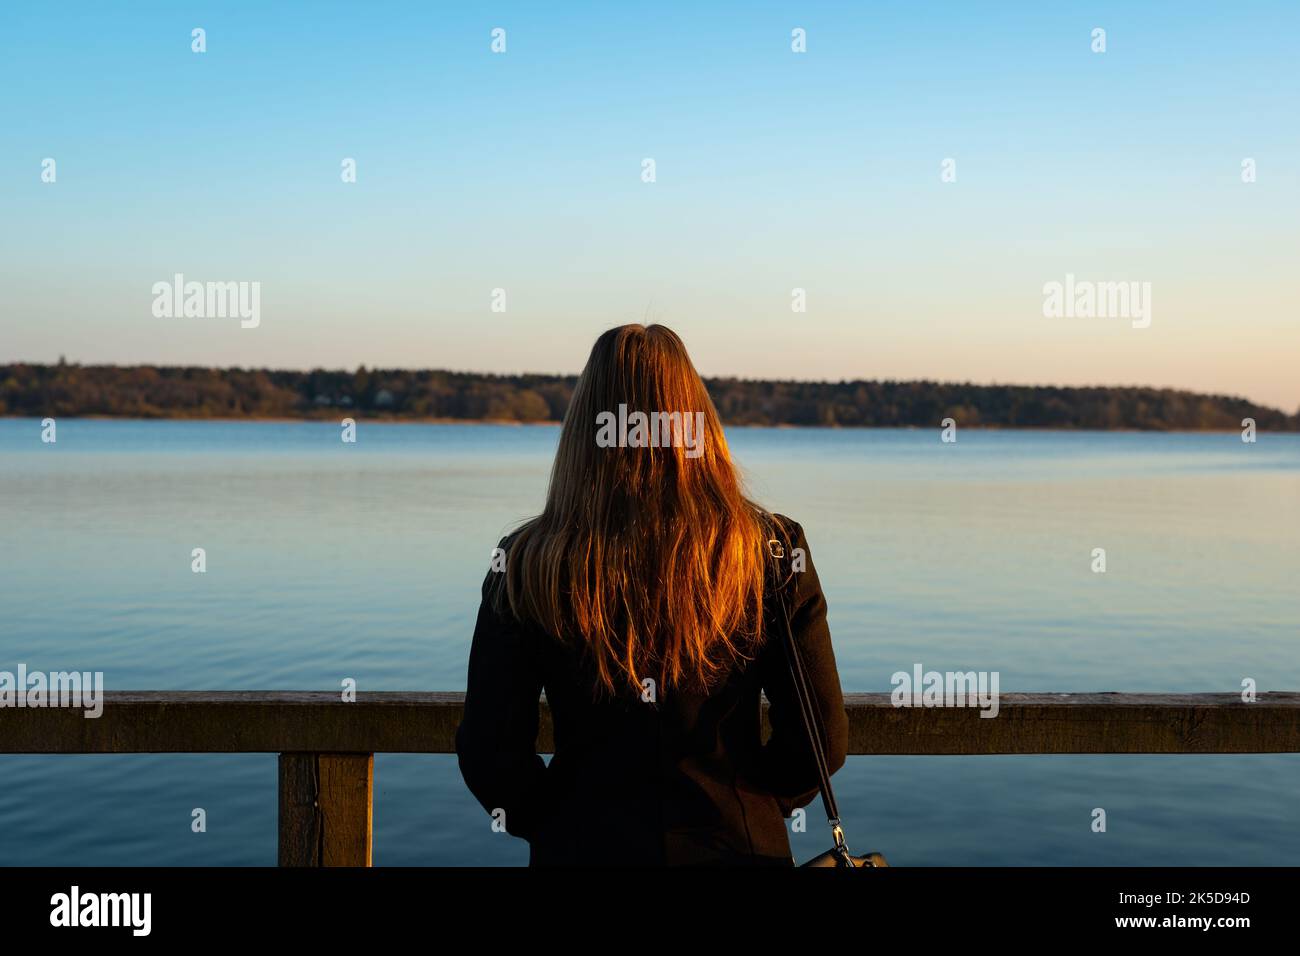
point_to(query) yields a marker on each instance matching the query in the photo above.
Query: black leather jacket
(685, 780)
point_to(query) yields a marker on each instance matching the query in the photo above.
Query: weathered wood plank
(1080, 724)
(299, 817)
(425, 722)
(326, 809)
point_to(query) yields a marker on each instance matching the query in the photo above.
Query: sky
(774, 170)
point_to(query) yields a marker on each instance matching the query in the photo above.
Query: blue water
(327, 560)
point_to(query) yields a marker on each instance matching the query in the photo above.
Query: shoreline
(555, 424)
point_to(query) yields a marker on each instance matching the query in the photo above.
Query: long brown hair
(650, 555)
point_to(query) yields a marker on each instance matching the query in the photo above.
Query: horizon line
(574, 375)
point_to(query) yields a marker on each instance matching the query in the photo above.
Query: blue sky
(775, 171)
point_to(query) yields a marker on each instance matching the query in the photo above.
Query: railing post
(326, 805)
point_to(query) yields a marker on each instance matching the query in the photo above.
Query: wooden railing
(327, 746)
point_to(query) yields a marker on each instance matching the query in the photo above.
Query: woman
(639, 602)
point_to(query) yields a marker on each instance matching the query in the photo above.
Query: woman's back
(641, 602)
(682, 778)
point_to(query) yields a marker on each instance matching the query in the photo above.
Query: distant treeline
(171, 392)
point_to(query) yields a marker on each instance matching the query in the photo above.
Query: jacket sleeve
(496, 743)
(788, 769)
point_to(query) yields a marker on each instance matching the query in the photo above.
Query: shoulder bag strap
(808, 710)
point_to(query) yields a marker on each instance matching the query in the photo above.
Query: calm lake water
(327, 561)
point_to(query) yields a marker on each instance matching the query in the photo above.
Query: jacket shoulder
(788, 531)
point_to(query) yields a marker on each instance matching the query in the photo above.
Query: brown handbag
(839, 854)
